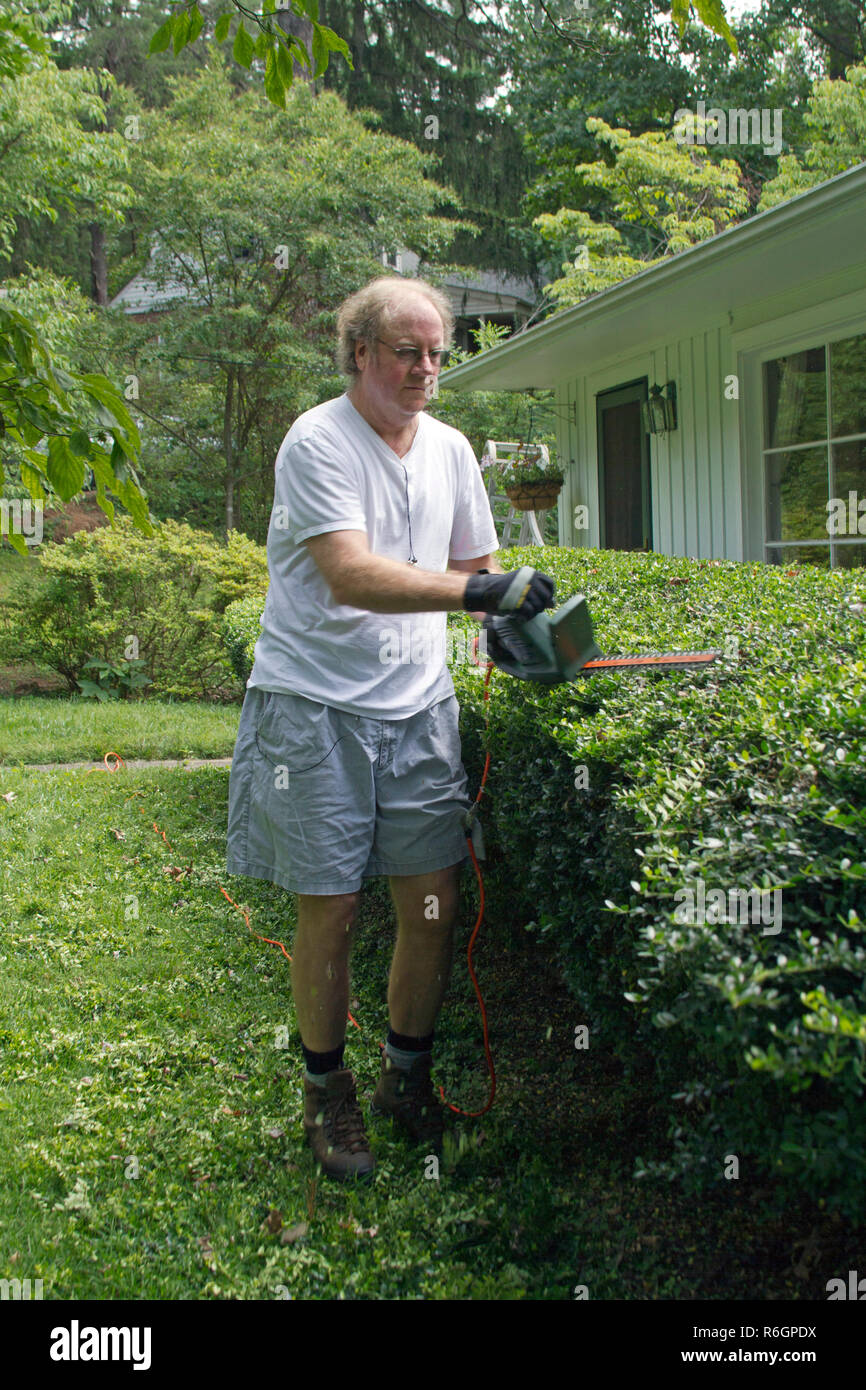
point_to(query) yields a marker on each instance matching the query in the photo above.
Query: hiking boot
(334, 1126)
(408, 1096)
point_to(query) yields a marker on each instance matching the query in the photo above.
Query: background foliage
(501, 136)
(105, 587)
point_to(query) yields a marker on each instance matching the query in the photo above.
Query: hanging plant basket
(534, 497)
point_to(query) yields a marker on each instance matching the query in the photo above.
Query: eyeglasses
(411, 356)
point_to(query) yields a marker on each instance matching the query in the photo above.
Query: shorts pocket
(295, 733)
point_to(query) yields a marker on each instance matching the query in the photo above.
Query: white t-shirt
(335, 473)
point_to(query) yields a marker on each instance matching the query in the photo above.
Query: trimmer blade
(665, 661)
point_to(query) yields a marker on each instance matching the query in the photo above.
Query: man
(348, 760)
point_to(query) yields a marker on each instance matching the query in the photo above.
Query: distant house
(487, 296)
(145, 294)
(756, 338)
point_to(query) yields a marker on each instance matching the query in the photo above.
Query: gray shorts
(320, 800)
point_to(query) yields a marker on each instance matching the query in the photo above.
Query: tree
(625, 66)
(265, 219)
(277, 42)
(440, 61)
(665, 198)
(58, 153)
(836, 29)
(836, 123)
(431, 70)
(114, 36)
(281, 43)
(111, 37)
(628, 67)
(54, 424)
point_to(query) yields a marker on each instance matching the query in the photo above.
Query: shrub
(106, 587)
(748, 775)
(241, 630)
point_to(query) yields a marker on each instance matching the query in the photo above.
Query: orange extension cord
(472, 1114)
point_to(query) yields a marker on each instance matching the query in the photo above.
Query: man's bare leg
(320, 967)
(422, 956)
(333, 1123)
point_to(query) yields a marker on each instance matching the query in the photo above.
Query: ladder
(530, 532)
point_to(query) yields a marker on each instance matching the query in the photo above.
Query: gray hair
(366, 313)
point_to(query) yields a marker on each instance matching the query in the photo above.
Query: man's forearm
(380, 585)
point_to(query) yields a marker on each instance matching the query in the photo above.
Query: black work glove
(520, 593)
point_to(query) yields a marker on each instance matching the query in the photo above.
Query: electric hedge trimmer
(554, 648)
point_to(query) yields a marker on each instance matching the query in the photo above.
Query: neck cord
(413, 559)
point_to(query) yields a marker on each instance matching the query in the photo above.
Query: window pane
(848, 515)
(848, 375)
(800, 555)
(849, 557)
(795, 399)
(797, 495)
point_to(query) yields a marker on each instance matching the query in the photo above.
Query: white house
(760, 335)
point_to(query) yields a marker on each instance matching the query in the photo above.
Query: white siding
(694, 470)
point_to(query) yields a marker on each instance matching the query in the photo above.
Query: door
(625, 522)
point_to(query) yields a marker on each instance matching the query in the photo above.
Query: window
(392, 259)
(815, 455)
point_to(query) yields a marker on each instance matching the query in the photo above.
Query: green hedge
(748, 776)
(169, 592)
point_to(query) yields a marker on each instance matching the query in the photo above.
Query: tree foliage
(258, 252)
(835, 29)
(114, 36)
(54, 423)
(665, 198)
(836, 124)
(630, 67)
(710, 12)
(52, 159)
(267, 40)
(432, 71)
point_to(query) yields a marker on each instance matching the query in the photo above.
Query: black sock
(407, 1044)
(320, 1062)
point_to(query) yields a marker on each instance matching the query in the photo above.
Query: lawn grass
(151, 1094)
(51, 729)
